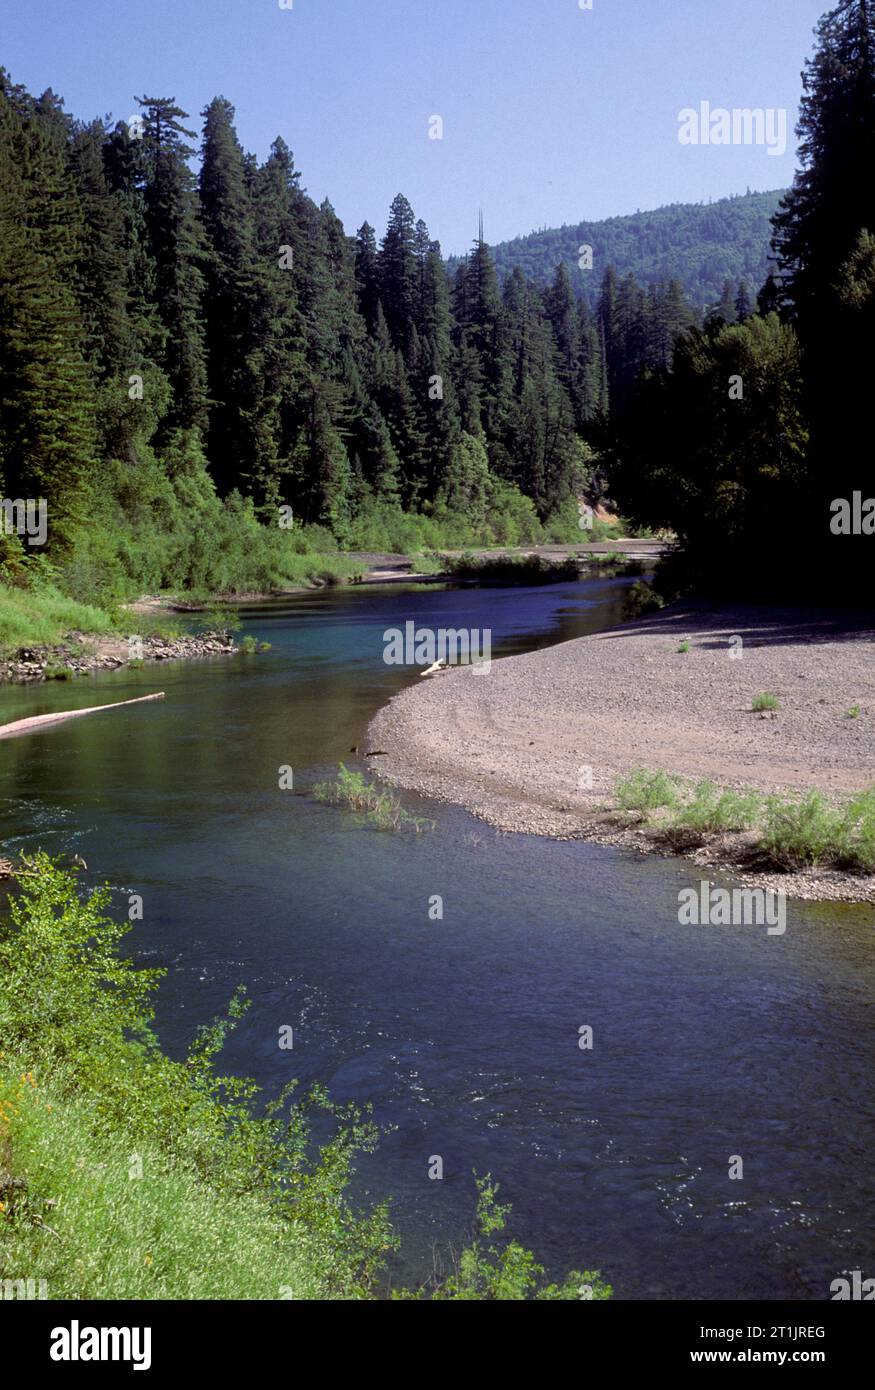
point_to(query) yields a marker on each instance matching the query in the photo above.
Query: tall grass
(796, 832)
(379, 807)
(42, 619)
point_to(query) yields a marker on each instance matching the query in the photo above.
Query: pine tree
(177, 249)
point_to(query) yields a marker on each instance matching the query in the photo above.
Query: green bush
(800, 833)
(711, 810)
(641, 599)
(856, 836)
(645, 792)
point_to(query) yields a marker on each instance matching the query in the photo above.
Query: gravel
(536, 744)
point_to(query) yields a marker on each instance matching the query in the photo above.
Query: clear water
(708, 1042)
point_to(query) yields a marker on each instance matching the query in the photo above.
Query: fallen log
(40, 721)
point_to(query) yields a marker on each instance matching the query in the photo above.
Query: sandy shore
(513, 745)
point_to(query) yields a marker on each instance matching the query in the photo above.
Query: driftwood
(40, 721)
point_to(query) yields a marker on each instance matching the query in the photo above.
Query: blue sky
(552, 114)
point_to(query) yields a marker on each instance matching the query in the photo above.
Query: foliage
(645, 792)
(794, 832)
(380, 808)
(486, 1272)
(711, 810)
(642, 599)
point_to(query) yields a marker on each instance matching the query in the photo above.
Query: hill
(700, 244)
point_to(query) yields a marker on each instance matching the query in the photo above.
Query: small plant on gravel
(856, 837)
(854, 712)
(766, 701)
(801, 833)
(644, 791)
(711, 810)
(58, 673)
(381, 809)
(684, 646)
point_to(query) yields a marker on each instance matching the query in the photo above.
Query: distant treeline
(699, 245)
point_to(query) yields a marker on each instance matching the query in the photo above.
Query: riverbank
(389, 567)
(538, 744)
(82, 654)
(80, 651)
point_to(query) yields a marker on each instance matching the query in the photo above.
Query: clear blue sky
(551, 114)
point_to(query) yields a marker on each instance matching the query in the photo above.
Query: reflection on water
(708, 1042)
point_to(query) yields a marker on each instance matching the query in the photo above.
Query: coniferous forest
(189, 356)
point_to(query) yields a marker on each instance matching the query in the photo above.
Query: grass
(795, 832)
(164, 1235)
(42, 619)
(766, 701)
(854, 712)
(125, 1174)
(58, 673)
(646, 792)
(684, 646)
(380, 807)
(711, 810)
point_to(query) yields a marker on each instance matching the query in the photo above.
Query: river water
(708, 1042)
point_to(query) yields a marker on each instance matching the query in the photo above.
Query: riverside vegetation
(126, 1174)
(792, 832)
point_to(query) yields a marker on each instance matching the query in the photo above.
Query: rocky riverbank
(81, 654)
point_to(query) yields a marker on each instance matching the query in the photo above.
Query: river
(708, 1042)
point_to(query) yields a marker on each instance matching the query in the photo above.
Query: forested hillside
(699, 244)
(205, 376)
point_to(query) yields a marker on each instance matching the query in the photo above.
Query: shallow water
(708, 1041)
